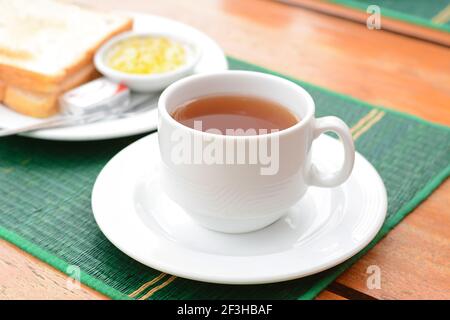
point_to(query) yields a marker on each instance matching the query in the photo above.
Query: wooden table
(380, 67)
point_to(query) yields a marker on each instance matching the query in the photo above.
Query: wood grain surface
(377, 66)
(22, 276)
(328, 295)
(414, 258)
(389, 24)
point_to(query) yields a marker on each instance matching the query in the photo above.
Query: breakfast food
(46, 48)
(146, 55)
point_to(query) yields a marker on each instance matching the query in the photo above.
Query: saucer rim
(247, 280)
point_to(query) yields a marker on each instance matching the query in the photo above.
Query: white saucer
(326, 227)
(213, 59)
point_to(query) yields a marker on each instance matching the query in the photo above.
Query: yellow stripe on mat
(443, 16)
(157, 288)
(147, 284)
(357, 133)
(363, 120)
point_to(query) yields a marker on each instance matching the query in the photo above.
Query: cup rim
(170, 90)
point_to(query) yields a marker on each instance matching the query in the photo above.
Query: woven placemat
(432, 14)
(45, 208)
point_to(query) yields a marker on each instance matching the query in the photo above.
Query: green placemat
(433, 14)
(45, 208)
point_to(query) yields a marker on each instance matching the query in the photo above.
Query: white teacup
(237, 197)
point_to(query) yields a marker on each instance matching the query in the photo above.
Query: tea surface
(229, 113)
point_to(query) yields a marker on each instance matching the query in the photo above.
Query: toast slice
(44, 104)
(34, 104)
(45, 47)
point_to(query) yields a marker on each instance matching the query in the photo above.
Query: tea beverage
(230, 113)
(243, 182)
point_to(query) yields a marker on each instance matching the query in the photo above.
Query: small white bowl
(147, 82)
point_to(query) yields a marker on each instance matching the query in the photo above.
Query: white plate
(326, 227)
(213, 59)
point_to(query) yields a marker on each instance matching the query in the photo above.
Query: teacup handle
(333, 179)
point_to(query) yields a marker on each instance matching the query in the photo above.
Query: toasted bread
(39, 104)
(45, 46)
